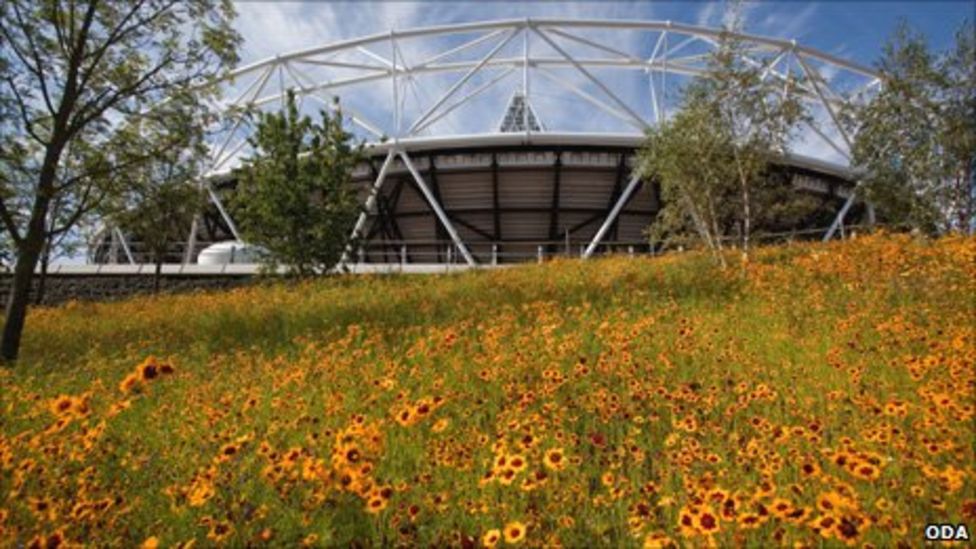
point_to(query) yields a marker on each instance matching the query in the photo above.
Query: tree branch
(59, 31)
(22, 109)
(83, 208)
(8, 222)
(37, 59)
(114, 37)
(129, 91)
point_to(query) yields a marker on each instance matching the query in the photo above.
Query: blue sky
(855, 29)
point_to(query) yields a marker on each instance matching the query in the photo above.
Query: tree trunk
(716, 235)
(19, 297)
(42, 280)
(156, 275)
(28, 251)
(965, 200)
(746, 218)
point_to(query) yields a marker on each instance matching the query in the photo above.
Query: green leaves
(294, 197)
(916, 138)
(157, 198)
(77, 78)
(714, 159)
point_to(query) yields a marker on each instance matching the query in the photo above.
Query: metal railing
(486, 253)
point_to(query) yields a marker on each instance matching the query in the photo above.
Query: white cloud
(785, 23)
(708, 14)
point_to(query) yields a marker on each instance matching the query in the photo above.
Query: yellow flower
(200, 493)
(375, 504)
(514, 532)
(491, 537)
(517, 463)
(151, 542)
(657, 540)
(554, 459)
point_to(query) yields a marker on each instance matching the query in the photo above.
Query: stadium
(507, 141)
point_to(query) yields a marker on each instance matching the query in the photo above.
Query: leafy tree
(916, 139)
(61, 243)
(162, 195)
(55, 245)
(71, 73)
(691, 163)
(294, 198)
(160, 216)
(714, 159)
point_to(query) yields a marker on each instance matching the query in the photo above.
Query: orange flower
(658, 540)
(129, 383)
(149, 372)
(404, 417)
(507, 476)
(220, 531)
(706, 521)
(62, 405)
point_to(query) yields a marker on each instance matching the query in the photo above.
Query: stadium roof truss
(396, 105)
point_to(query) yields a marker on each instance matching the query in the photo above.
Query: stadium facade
(557, 118)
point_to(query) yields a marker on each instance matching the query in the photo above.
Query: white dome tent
(229, 253)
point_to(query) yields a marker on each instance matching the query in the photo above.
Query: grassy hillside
(820, 393)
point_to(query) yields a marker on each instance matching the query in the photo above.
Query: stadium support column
(618, 184)
(191, 241)
(125, 246)
(839, 220)
(624, 197)
(436, 189)
(495, 209)
(437, 209)
(554, 208)
(370, 201)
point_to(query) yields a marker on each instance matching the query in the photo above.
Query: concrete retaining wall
(60, 288)
(112, 282)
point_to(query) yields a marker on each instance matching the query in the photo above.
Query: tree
(160, 216)
(714, 159)
(691, 163)
(72, 73)
(916, 139)
(162, 195)
(55, 245)
(294, 197)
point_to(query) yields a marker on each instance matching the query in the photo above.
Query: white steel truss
(462, 63)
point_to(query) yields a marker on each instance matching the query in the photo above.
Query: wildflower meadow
(816, 394)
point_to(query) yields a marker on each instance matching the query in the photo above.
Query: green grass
(674, 376)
